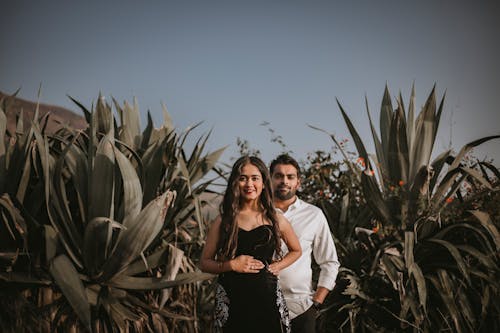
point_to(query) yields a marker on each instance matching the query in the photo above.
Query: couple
(256, 239)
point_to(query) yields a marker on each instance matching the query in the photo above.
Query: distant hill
(58, 116)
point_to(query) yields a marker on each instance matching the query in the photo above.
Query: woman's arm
(208, 264)
(292, 243)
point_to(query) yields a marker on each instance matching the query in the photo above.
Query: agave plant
(420, 270)
(107, 196)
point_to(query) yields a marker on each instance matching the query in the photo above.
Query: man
(312, 229)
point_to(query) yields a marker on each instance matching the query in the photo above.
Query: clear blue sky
(235, 64)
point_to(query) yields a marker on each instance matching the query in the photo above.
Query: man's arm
(325, 255)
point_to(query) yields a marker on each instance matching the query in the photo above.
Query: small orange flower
(361, 161)
(449, 200)
(401, 183)
(369, 172)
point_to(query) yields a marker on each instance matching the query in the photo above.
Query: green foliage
(113, 206)
(420, 268)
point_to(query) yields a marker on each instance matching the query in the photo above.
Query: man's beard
(284, 195)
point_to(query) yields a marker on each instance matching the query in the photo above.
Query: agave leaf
(24, 278)
(452, 249)
(153, 168)
(445, 188)
(485, 301)
(24, 179)
(97, 242)
(153, 260)
(355, 136)
(408, 248)
(491, 167)
(46, 160)
(436, 167)
(385, 119)
(102, 197)
(419, 278)
(3, 130)
(410, 123)
(472, 230)
(132, 191)
(68, 280)
(78, 169)
(374, 198)
(466, 148)
(480, 256)
(175, 257)
(51, 239)
(438, 116)
(381, 157)
(424, 136)
(146, 135)
(140, 233)
(86, 112)
(397, 153)
(390, 270)
(477, 175)
(186, 132)
(447, 293)
(151, 283)
(167, 120)
(206, 164)
(419, 187)
(449, 179)
(61, 201)
(104, 117)
(130, 123)
(20, 122)
(487, 223)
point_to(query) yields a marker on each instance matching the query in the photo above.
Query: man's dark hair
(284, 159)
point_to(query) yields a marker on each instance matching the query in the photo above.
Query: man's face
(285, 181)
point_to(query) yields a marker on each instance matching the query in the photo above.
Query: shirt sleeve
(325, 253)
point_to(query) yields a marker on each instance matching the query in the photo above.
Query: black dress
(252, 302)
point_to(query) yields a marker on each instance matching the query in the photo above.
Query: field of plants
(101, 228)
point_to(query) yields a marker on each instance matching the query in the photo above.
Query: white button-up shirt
(311, 227)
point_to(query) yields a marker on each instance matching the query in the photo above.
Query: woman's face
(250, 182)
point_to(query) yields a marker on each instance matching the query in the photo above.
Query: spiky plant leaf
(139, 234)
(455, 254)
(419, 278)
(155, 259)
(150, 283)
(132, 190)
(103, 172)
(382, 159)
(385, 119)
(357, 139)
(397, 153)
(487, 223)
(66, 277)
(424, 136)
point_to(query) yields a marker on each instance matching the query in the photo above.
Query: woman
(241, 246)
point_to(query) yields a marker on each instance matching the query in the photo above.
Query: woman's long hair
(230, 206)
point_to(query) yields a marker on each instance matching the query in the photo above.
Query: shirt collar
(296, 204)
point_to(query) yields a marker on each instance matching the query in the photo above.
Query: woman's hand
(274, 268)
(246, 264)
